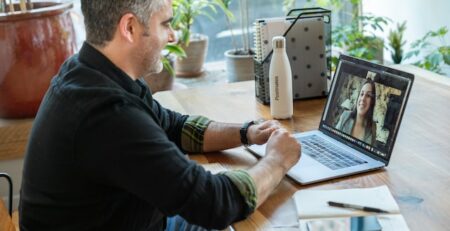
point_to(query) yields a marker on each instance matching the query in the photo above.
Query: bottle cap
(278, 42)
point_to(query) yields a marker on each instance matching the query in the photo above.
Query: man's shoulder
(79, 91)
(79, 82)
(74, 73)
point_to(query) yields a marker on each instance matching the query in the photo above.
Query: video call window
(365, 107)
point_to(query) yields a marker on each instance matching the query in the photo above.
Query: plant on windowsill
(195, 45)
(396, 43)
(288, 5)
(239, 61)
(435, 57)
(163, 81)
(355, 40)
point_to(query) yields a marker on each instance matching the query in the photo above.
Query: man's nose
(172, 37)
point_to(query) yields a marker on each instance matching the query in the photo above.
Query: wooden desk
(418, 174)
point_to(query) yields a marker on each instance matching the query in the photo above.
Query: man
(103, 155)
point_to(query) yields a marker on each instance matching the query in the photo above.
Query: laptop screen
(365, 105)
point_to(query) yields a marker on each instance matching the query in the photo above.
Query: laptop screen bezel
(380, 68)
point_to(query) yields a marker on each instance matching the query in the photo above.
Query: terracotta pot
(34, 44)
(240, 67)
(192, 65)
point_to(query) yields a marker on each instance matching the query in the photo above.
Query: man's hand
(260, 133)
(282, 152)
(283, 148)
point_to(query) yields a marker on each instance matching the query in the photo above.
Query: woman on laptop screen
(359, 122)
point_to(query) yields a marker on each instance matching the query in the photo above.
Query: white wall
(421, 16)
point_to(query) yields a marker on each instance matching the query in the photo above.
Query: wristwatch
(243, 131)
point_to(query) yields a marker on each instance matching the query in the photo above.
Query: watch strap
(243, 131)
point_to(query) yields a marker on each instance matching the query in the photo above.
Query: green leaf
(185, 37)
(167, 66)
(226, 3)
(442, 31)
(412, 53)
(225, 6)
(186, 11)
(445, 51)
(396, 43)
(435, 58)
(288, 5)
(176, 50)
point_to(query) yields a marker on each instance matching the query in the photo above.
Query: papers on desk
(214, 168)
(312, 204)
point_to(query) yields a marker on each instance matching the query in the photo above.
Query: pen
(358, 207)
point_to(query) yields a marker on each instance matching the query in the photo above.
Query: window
(218, 31)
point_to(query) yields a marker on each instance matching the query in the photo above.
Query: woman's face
(365, 99)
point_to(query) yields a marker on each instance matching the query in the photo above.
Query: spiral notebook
(265, 30)
(307, 49)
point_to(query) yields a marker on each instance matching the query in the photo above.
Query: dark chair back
(8, 178)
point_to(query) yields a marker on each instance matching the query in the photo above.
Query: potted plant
(288, 5)
(164, 80)
(354, 38)
(357, 41)
(36, 39)
(396, 43)
(435, 56)
(239, 61)
(195, 45)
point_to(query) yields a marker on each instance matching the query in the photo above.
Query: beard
(160, 66)
(151, 65)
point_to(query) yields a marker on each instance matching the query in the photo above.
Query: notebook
(312, 205)
(214, 168)
(308, 49)
(360, 89)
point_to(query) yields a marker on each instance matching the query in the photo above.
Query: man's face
(153, 39)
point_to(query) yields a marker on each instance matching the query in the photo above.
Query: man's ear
(127, 27)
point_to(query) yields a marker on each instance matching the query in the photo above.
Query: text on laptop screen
(365, 106)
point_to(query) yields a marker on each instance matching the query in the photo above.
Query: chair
(5, 215)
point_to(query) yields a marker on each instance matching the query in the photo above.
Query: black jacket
(103, 155)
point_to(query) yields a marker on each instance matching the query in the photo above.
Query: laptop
(359, 124)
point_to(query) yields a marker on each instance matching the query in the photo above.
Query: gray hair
(102, 16)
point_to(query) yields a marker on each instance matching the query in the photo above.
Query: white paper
(313, 203)
(214, 168)
(393, 222)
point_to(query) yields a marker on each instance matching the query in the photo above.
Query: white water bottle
(280, 81)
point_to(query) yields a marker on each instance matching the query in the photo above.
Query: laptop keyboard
(328, 154)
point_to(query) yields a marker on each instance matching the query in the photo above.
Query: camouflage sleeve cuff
(193, 133)
(245, 184)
